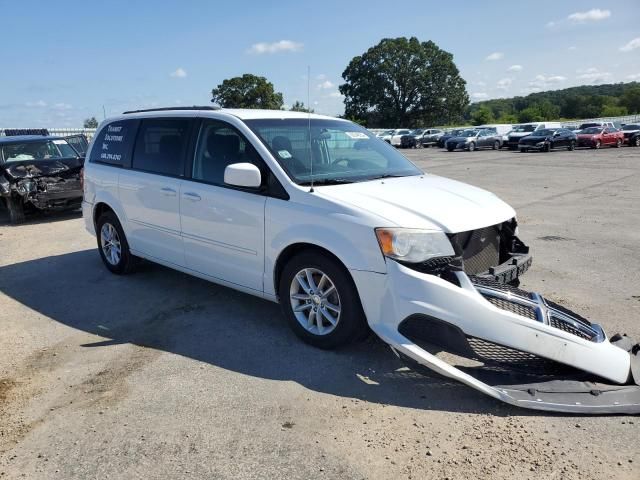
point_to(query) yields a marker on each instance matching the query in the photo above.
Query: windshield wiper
(386, 175)
(328, 181)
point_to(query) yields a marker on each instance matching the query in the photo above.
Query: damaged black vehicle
(39, 172)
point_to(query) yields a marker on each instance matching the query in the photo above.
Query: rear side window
(160, 146)
(114, 142)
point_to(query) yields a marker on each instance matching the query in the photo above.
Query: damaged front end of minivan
(465, 317)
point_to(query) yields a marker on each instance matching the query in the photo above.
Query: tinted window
(160, 145)
(114, 142)
(220, 145)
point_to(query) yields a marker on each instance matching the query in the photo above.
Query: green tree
(402, 81)
(631, 99)
(299, 107)
(247, 91)
(482, 115)
(91, 122)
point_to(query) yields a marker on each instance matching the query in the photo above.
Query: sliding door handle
(169, 192)
(194, 197)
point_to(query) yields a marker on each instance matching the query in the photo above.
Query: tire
(450, 149)
(597, 145)
(16, 210)
(523, 150)
(123, 263)
(496, 145)
(350, 322)
(572, 146)
(636, 141)
(618, 143)
(548, 147)
(472, 146)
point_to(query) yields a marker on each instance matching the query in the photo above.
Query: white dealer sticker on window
(284, 154)
(60, 142)
(357, 135)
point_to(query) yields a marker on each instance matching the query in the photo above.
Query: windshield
(342, 152)
(587, 125)
(468, 133)
(524, 128)
(45, 150)
(545, 132)
(631, 127)
(417, 131)
(592, 130)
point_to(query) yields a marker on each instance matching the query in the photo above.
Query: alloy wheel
(315, 301)
(110, 242)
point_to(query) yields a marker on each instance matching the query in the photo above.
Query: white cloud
(551, 24)
(275, 47)
(504, 84)
(178, 73)
(543, 81)
(634, 76)
(593, 15)
(39, 103)
(335, 95)
(572, 48)
(495, 56)
(515, 68)
(632, 45)
(529, 90)
(479, 95)
(326, 85)
(62, 106)
(480, 83)
(593, 75)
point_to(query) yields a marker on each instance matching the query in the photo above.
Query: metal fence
(61, 132)
(626, 119)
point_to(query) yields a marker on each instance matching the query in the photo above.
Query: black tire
(548, 147)
(127, 261)
(523, 150)
(572, 146)
(16, 210)
(597, 145)
(351, 325)
(450, 149)
(496, 145)
(472, 146)
(635, 142)
(618, 143)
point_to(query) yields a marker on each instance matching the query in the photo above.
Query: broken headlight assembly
(25, 187)
(408, 245)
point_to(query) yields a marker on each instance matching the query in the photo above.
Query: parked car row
(540, 136)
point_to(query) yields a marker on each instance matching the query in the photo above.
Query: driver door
(223, 226)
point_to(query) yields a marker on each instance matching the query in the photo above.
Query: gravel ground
(159, 375)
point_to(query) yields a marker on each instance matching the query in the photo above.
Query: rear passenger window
(114, 142)
(160, 146)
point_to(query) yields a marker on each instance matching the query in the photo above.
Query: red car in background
(596, 137)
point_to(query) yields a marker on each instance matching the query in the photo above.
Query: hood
(534, 138)
(588, 135)
(520, 134)
(63, 167)
(424, 201)
(459, 139)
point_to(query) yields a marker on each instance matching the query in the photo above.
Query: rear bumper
(402, 293)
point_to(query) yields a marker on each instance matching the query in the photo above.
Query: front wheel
(597, 145)
(618, 143)
(572, 146)
(496, 145)
(450, 149)
(636, 141)
(16, 210)
(523, 150)
(320, 301)
(113, 245)
(472, 146)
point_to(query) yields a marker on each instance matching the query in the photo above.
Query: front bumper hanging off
(513, 345)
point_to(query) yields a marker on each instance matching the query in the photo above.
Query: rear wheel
(320, 301)
(572, 145)
(496, 145)
(113, 245)
(16, 210)
(636, 141)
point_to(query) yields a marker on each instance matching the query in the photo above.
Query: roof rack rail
(165, 109)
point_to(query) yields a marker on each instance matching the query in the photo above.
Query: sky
(66, 61)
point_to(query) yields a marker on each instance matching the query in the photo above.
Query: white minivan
(340, 228)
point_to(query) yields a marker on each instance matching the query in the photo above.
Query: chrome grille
(511, 306)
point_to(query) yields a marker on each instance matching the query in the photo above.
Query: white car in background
(397, 135)
(347, 235)
(502, 129)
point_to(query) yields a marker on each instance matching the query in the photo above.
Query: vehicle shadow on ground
(38, 217)
(163, 309)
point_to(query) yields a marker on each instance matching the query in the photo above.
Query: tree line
(587, 101)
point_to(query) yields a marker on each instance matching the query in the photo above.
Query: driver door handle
(194, 197)
(170, 192)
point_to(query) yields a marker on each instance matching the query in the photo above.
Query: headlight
(539, 144)
(413, 245)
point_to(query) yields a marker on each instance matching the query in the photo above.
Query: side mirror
(242, 175)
